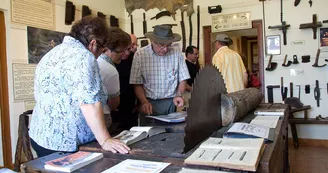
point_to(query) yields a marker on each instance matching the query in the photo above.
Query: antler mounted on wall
(169, 5)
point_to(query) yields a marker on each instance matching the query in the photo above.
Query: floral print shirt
(66, 77)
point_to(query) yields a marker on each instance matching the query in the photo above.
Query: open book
(267, 121)
(72, 162)
(245, 130)
(175, 117)
(239, 154)
(136, 134)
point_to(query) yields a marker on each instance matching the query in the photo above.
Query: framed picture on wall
(273, 46)
(323, 41)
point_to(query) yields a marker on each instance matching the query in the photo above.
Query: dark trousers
(40, 151)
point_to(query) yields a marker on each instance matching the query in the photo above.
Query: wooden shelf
(307, 121)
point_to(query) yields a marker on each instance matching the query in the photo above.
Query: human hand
(115, 145)
(147, 108)
(178, 101)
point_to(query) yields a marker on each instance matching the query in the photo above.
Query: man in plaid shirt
(159, 73)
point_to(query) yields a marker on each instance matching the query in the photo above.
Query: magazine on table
(175, 117)
(73, 161)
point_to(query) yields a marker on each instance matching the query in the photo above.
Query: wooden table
(168, 147)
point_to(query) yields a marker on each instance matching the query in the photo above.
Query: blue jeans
(40, 151)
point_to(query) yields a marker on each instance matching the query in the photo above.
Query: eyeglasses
(163, 46)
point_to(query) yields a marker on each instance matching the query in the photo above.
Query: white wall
(294, 16)
(17, 44)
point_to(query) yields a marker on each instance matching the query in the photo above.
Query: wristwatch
(178, 94)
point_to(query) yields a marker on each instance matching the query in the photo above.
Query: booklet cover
(137, 166)
(72, 162)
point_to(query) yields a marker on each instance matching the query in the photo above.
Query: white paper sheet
(137, 166)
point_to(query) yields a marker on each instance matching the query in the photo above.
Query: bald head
(134, 43)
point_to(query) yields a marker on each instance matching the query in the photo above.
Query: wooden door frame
(208, 44)
(4, 97)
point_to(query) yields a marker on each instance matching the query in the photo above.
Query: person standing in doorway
(192, 55)
(229, 64)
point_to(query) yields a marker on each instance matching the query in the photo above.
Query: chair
(23, 148)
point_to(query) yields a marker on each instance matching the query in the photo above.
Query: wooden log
(237, 104)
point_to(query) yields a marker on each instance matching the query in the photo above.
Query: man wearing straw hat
(159, 73)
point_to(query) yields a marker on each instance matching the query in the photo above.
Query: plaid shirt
(160, 75)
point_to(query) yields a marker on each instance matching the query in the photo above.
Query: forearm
(93, 114)
(245, 79)
(114, 102)
(188, 87)
(182, 87)
(140, 93)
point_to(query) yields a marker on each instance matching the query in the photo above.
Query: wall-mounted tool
(163, 13)
(299, 91)
(144, 24)
(69, 13)
(295, 60)
(296, 2)
(131, 23)
(183, 29)
(288, 63)
(101, 15)
(317, 93)
(307, 89)
(190, 30)
(283, 89)
(271, 65)
(113, 21)
(198, 25)
(85, 11)
(317, 59)
(310, 2)
(283, 25)
(325, 21)
(314, 25)
(306, 58)
(291, 87)
(270, 92)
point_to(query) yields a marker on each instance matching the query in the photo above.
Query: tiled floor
(308, 159)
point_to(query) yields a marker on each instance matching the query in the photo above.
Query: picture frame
(323, 41)
(273, 45)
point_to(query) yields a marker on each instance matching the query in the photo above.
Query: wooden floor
(308, 159)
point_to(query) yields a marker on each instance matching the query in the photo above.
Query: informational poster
(273, 46)
(37, 13)
(41, 41)
(227, 22)
(23, 78)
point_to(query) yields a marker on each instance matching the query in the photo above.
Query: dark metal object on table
(198, 26)
(317, 60)
(283, 25)
(144, 24)
(270, 92)
(131, 24)
(190, 31)
(317, 92)
(296, 2)
(161, 14)
(295, 61)
(314, 25)
(306, 58)
(288, 63)
(271, 65)
(203, 119)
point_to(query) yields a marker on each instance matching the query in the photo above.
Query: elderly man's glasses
(163, 46)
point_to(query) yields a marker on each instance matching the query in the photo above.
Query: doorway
(247, 42)
(4, 98)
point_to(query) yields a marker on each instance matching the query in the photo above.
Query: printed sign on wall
(227, 22)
